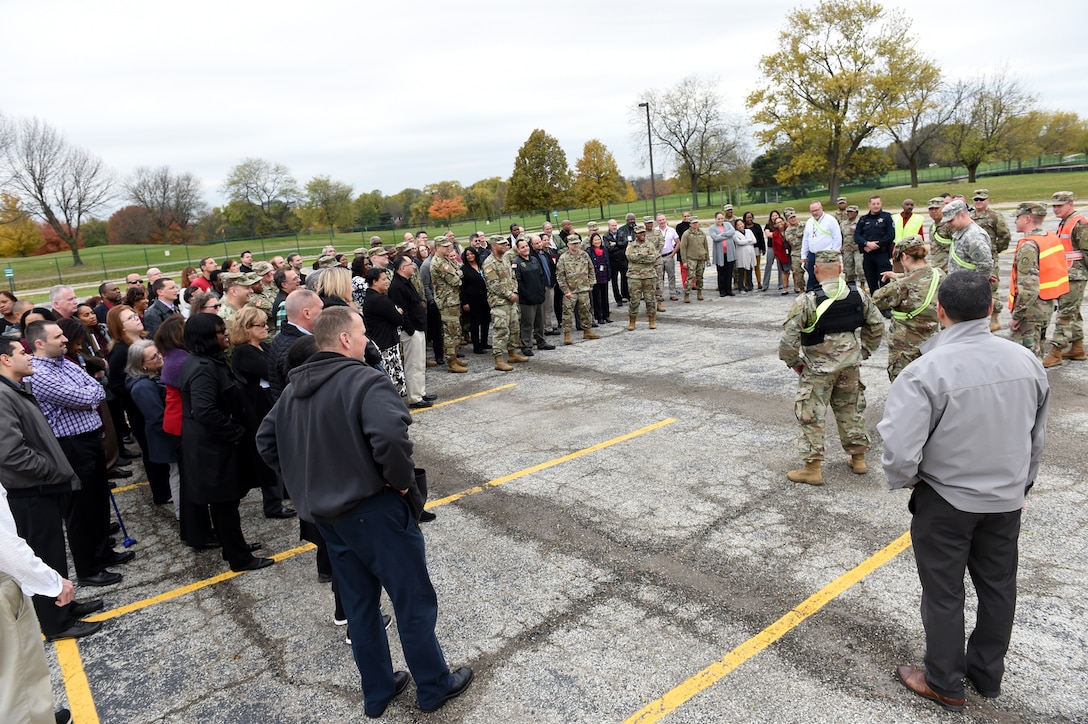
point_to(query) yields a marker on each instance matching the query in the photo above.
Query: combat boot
(653, 322)
(700, 296)
(1076, 351)
(455, 365)
(631, 324)
(995, 322)
(500, 364)
(857, 463)
(515, 356)
(687, 298)
(810, 474)
(588, 334)
(1054, 357)
(566, 338)
(660, 306)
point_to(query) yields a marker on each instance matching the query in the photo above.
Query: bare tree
(687, 121)
(262, 183)
(61, 184)
(922, 110)
(987, 123)
(175, 201)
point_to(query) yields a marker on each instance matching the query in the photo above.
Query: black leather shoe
(400, 683)
(118, 474)
(255, 564)
(129, 454)
(282, 513)
(86, 608)
(324, 578)
(462, 678)
(115, 527)
(430, 398)
(254, 546)
(552, 332)
(77, 630)
(421, 405)
(545, 346)
(527, 352)
(113, 558)
(63, 716)
(426, 516)
(105, 578)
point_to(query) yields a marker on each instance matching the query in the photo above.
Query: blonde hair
(240, 325)
(335, 282)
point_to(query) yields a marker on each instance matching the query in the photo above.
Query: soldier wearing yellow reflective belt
(912, 299)
(970, 249)
(998, 231)
(939, 237)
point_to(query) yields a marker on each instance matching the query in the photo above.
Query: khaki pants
(413, 349)
(25, 694)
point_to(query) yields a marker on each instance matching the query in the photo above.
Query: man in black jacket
(339, 437)
(875, 237)
(413, 340)
(165, 304)
(302, 307)
(532, 287)
(616, 241)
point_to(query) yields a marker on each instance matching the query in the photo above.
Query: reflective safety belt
(959, 262)
(933, 284)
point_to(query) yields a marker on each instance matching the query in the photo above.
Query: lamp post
(650, 144)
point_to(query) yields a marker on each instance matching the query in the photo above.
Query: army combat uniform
(446, 278)
(912, 300)
(696, 253)
(1069, 326)
(657, 241)
(502, 291)
(1031, 298)
(819, 337)
(574, 275)
(998, 231)
(794, 236)
(852, 257)
(940, 238)
(642, 259)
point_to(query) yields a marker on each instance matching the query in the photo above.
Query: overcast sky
(403, 94)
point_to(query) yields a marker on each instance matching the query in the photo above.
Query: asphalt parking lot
(626, 548)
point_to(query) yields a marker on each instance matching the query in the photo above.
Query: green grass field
(34, 275)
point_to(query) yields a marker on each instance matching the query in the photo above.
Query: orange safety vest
(1065, 232)
(1053, 272)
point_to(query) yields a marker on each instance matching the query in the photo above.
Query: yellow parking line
(80, 701)
(125, 488)
(462, 399)
(543, 466)
(659, 708)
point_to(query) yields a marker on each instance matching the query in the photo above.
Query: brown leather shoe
(915, 680)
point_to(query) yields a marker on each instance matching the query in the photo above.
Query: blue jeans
(380, 546)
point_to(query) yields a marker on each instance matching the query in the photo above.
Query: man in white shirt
(668, 254)
(822, 233)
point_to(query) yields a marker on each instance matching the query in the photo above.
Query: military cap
(790, 214)
(261, 268)
(498, 239)
(727, 207)
(788, 210)
(574, 239)
(981, 194)
(235, 279)
(442, 241)
(951, 209)
(1061, 197)
(694, 219)
(361, 251)
(908, 241)
(937, 202)
(647, 219)
(828, 256)
(592, 225)
(640, 228)
(404, 246)
(326, 262)
(852, 207)
(377, 251)
(1031, 208)
(840, 200)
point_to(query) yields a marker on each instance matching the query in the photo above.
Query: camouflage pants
(798, 272)
(845, 393)
(451, 330)
(582, 300)
(1069, 326)
(851, 263)
(999, 301)
(900, 354)
(507, 331)
(642, 290)
(1031, 331)
(695, 275)
(659, 268)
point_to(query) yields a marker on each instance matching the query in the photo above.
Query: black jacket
(878, 228)
(548, 258)
(157, 313)
(530, 278)
(277, 356)
(30, 456)
(615, 253)
(382, 319)
(405, 296)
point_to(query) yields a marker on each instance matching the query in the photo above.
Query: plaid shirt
(68, 396)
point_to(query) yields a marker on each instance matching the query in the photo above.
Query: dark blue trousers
(810, 267)
(378, 546)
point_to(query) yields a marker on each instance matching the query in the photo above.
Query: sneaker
(340, 621)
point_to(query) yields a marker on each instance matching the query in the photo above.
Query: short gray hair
(56, 291)
(134, 366)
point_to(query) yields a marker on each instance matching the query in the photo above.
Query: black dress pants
(874, 263)
(88, 514)
(725, 279)
(39, 520)
(228, 524)
(620, 290)
(947, 542)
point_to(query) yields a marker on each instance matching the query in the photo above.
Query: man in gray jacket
(964, 427)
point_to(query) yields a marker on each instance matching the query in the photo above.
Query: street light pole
(650, 144)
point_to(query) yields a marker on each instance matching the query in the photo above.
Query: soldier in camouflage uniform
(237, 292)
(970, 249)
(794, 235)
(641, 267)
(852, 258)
(696, 253)
(502, 297)
(912, 299)
(1030, 313)
(995, 227)
(264, 294)
(657, 240)
(842, 212)
(939, 235)
(446, 279)
(574, 276)
(1069, 326)
(822, 348)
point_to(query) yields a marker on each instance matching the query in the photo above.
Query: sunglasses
(137, 281)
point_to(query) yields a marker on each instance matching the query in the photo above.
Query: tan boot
(566, 338)
(454, 365)
(631, 324)
(653, 322)
(514, 355)
(857, 464)
(995, 322)
(1054, 357)
(660, 306)
(700, 296)
(587, 333)
(811, 473)
(500, 364)
(687, 298)
(1076, 351)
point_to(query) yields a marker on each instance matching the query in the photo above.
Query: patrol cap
(326, 262)
(981, 194)
(840, 200)
(361, 251)
(592, 225)
(828, 256)
(727, 207)
(1031, 208)
(694, 219)
(377, 251)
(852, 207)
(498, 239)
(574, 239)
(951, 209)
(937, 202)
(790, 214)
(404, 246)
(640, 228)
(235, 279)
(444, 241)
(788, 210)
(261, 268)
(1061, 197)
(908, 241)
(647, 220)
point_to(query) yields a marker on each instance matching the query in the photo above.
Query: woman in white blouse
(745, 242)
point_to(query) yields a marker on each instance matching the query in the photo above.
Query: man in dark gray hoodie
(339, 437)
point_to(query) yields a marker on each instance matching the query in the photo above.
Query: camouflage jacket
(794, 235)
(971, 246)
(641, 257)
(906, 294)
(446, 279)
(839, 350)
(502, 287)
(995, 227)
(574, 272)
(1079, 239)
(656, 239)
(847, 227)
(940, 239)
(1026, 293)
(693, 246)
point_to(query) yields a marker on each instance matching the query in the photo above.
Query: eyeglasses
(212, 306)
(131, 317)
